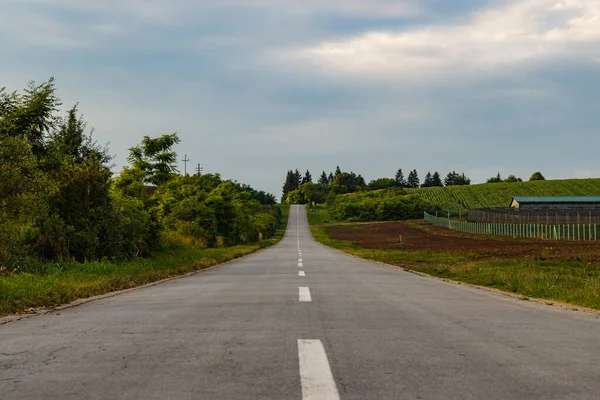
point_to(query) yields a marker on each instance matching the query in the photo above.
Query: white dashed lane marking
(304, 294)
(315, 374)
(301, 273)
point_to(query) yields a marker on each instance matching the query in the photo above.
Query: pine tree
(323, 179)
(287, 186)
(428, 182)
(400, 181)
(450, 178)
(330, 178)
(455, 179)
(436, 180)
(360, 181)
(413, 179)
(338, 171)
(307, 178)
(297, 180)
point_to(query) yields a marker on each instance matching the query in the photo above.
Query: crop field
(499, 195)
(419, 236)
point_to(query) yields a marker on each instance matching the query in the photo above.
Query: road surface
(299, 320)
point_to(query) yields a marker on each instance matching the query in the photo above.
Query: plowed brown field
(420, 236)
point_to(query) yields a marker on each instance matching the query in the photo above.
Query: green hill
(499, 195)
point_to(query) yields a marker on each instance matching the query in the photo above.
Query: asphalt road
(257, 329)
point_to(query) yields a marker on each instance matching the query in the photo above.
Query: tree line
(300, 188)
(536, 176)
(60, 200)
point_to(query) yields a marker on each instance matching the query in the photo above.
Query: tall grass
(64, 282)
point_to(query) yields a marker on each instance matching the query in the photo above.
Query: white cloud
(596, 60)
(518, 33)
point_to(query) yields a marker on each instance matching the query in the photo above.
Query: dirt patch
(420, 236)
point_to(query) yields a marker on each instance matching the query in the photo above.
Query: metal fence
(588, 232)
(534, 217)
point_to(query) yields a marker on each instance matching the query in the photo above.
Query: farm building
(580, 203)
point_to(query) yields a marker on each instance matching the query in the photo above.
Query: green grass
(67, 281)
(64, 282)
(319, 215)
(499, 195)
(285, 213)
(569, 281)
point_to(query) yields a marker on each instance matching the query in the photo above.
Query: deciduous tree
(537, 176)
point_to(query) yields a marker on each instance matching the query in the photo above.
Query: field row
(499, 195)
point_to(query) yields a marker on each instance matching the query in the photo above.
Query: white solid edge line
(304, 294)
(301, 273)
(315, 373)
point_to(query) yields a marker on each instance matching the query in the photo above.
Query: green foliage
(308, 193)
(432, 180)
(206, 208)
(537, 176)
(323, 179)
(413, 179)
(58, 200)
(495, 179)
(25, 191)
(155, 158)
(292, 182)
(319, 215)
(381, 183)
(307, 178)
(400, 181)
(455, 179)
(30, 115)
(385, 205)
(499, 195)
(512, 179)
(347, 182)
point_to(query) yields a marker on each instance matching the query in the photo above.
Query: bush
(387, 205)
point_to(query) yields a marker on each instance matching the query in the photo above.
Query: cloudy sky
(256, 87)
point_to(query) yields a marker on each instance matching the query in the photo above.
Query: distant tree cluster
(302, 190)
(432, 180)
(537, 176)
(455, 179)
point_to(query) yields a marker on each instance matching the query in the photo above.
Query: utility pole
(185, 161)
(199, 170)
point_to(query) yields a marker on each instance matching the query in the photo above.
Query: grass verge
(64, 282)
(570, 281)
